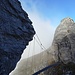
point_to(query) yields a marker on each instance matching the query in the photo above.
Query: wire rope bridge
(54, 68)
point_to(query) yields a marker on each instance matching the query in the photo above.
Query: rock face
(63, 47)
(33, 64)
(15, 33)
(64, 41)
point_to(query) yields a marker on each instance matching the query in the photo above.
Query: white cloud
(42, 26)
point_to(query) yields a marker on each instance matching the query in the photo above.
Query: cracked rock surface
(16, 31)
(64, 41)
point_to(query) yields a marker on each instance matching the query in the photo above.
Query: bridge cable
(27, 63)
(42, 47)
(33, 53)
(40, 41)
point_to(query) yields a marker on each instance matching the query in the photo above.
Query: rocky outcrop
(63, 47)
(64, 41)
(16, 31)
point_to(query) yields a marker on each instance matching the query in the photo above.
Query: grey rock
(16, 31)
(64, 41)
(63, 49)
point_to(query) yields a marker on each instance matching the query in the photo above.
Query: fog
(44, 30)
(42, 26)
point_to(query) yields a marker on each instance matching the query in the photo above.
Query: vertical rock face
(62, 49)
(15, 33)
(64, 41)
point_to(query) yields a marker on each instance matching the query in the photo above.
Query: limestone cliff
(16, 31)
(63, 48)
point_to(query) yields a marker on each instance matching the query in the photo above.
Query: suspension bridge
(42, 63)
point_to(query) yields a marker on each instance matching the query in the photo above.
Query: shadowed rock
(15, 33)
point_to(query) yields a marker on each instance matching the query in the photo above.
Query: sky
(46, 16)
(55, 10)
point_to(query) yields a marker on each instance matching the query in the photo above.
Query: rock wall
(16, 31)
